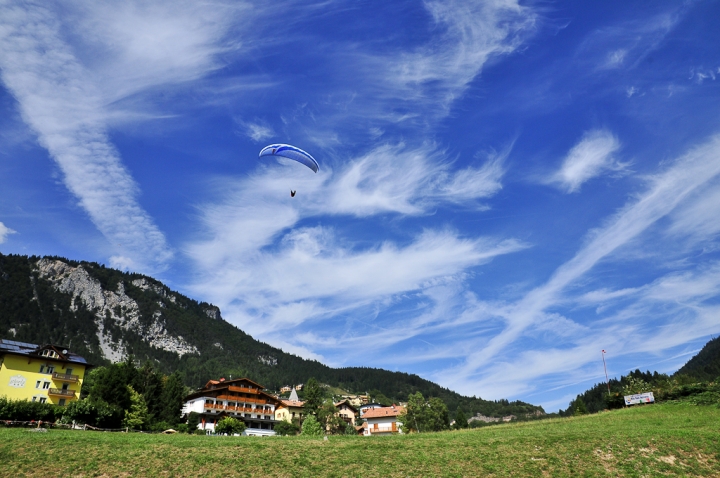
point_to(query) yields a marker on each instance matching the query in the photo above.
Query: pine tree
(136, 416)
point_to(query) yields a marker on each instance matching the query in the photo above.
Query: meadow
(653, 440)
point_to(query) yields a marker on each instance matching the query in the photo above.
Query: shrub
(193, 421)
(230, 425)
(23, 410)
(311, 427)
(284, 428)
(200, 432)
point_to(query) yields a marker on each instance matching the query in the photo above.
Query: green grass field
(654, 440)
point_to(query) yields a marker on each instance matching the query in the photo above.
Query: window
(37, 385)
(69, 371)
(42, 368)
(43, 399)
(61, 402)
(50, 369)
(46, 385)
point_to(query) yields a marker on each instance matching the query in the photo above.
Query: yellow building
(46, 373)
(290, 409)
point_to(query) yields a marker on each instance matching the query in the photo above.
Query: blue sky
(505, 188)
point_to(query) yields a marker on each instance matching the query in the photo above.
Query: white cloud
(65, 109)
(473, 31)
(256, 260)
(592, 156)
(4, 232)
(258, 132)
(688, 319)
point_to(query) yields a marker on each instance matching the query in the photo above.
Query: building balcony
(64, 377)
(61, 393)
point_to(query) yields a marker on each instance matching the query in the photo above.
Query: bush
(23, 410)
(193, 421)
(200, 432)
(311, 427)
(284, 428)
(183, 428)
(230, 425)
(350, 429)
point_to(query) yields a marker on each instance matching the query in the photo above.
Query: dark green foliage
(578, 407)
(24, 410)
(224, 350)
(172, 399)
(460, 420)
(284, 428)
(705, 365)
(313, 396)
(193, 420)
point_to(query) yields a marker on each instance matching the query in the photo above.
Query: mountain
(105, 315)
(706, 364)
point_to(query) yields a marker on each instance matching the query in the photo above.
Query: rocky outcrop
(213, 312)
(117, 305)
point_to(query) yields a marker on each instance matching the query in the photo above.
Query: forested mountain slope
(706, 364)
(104, 315)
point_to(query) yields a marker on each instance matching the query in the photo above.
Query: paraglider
(291, 152)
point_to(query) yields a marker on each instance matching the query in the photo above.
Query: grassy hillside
(653, 440)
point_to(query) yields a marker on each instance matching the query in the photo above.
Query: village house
(368, 406)
(290, 409)
(383, 420)
(45, 374)
(347, 411)
(238, 398)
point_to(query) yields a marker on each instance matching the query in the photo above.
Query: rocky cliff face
(114, 305)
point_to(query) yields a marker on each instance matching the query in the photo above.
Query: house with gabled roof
(239, 398)
(40, 373)
(383, 420)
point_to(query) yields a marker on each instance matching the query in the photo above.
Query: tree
(424, 416)
(579, 407)
(437, 415)
(313, 397)
(193, 421)
(460, 420)
(413, 418)
(329, 419)
(172, 399)
(311, 427)
(284, 428)
(350, 429)
(137, 416)
(230, 425)
(149, 384)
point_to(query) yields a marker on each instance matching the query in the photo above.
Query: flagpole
(607, 381)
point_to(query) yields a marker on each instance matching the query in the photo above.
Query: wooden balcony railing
(61, 393)
(64, 377)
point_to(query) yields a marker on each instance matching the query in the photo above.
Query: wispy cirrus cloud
(257, 260)
(66, 111)
(70, 90)
(589, 158)
(622, 329)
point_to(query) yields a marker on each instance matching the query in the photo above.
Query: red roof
(384, 412)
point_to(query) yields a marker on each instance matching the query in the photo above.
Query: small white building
(383, 420)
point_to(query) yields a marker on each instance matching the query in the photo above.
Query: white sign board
(639, 398)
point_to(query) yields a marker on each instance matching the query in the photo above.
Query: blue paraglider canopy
(290, 152)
